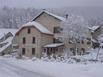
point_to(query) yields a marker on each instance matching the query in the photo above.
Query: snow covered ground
(8, 69)
(12, 67)
(38, 68)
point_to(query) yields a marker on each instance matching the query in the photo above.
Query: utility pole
(92, 38)
(98, 52)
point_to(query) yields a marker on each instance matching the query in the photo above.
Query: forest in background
(16, 17)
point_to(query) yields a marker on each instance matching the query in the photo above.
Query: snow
(11, 67)
(101, 44)
(40, 27)
(93, 55)
(100, 38)
(5, 31)
(56, 69)
(56, 16)
(93, 28)
(8, 41)
(54, 45)
(14, 44)
(4, 47)
(93, 40)
(10, 70)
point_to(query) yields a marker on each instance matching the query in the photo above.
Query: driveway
(9, 70)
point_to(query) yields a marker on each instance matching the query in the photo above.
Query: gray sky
(50, 3)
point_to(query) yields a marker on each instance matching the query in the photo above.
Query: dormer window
(29, 30)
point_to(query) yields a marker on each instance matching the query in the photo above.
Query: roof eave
(46, 13)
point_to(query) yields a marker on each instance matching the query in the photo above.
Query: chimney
(44, 9)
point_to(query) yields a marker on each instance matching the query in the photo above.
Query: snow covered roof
(100, 39)
(101, 44)
(8, 41)
(54, 45)
(94, 40)
(4, 31)
(40, 27)
(93, 28)
(51, 14)
(4, 47)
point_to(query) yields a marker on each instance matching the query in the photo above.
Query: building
(51, 22)
(95, 31)
(30, 39)
(78, 46)
(6, 37)
(43, 34)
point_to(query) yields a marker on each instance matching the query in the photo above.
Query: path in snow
(9, 70)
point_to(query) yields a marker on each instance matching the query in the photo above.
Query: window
(88, 42)
(57, 29)
(57, 40)
(33, 51)
(23, 51)
(44, 50)
(29, 30)
(82, 41)
(72, 49)
(83, 50)
(33, 40)
(78, 41)
(24, 40)
(89, 39)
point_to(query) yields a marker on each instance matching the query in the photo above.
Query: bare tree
(15, 17)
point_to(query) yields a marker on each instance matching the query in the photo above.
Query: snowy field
(28, 68)
(11, 67)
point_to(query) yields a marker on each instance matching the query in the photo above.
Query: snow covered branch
(74, 27)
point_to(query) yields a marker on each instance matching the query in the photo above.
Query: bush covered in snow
(95, 55)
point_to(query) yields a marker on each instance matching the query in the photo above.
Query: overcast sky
(50, 3)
